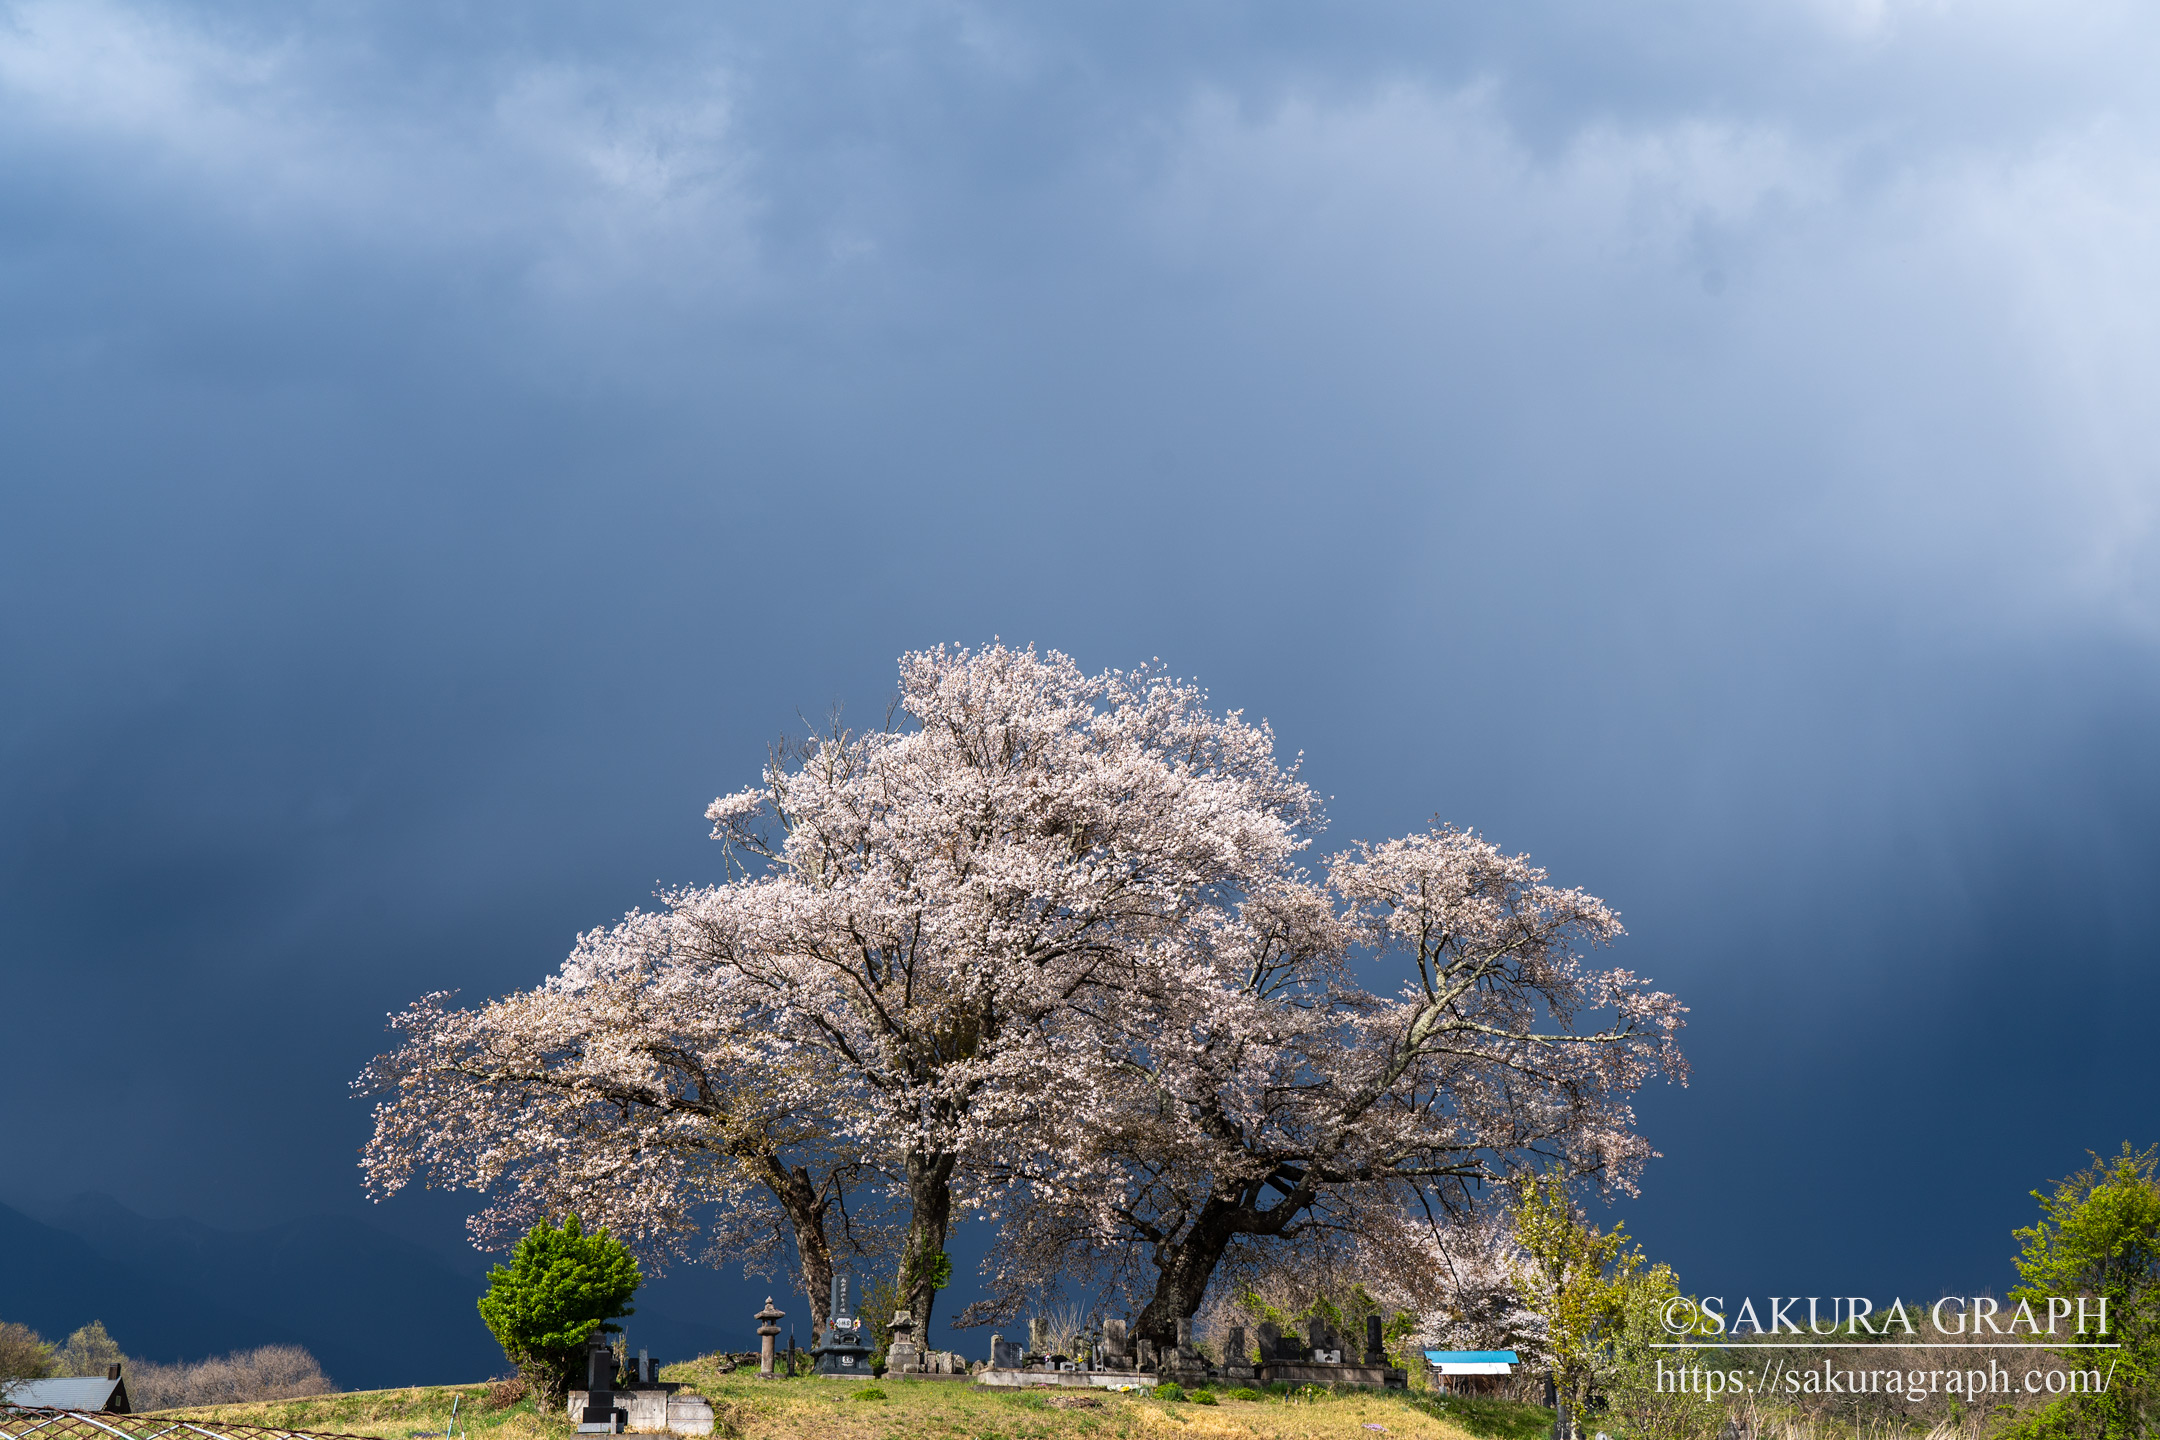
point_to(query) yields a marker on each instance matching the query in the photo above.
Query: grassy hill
(746, 1408)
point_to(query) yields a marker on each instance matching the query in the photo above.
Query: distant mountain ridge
(376, 1311)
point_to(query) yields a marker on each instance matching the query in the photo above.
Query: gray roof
(74, 1392)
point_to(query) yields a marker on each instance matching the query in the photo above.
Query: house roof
(1472, 1362)
(70, 1392)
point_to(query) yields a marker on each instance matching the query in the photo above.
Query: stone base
(1065, 1379)
(1317, 1372)
(689, 1415)
(849, 1362)
(923, 1364)
(650, 1410)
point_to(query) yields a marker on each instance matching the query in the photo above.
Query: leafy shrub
(1242, 1392)
(868, 1392)
(1170, 1390)
(559, 1287)
(1202, 1397)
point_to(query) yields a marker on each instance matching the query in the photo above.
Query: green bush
(1202, 1397)
(1169, 1390)
(868, 1392)
(1242, 1392)
(559, 1287)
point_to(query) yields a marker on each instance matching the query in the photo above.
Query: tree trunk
(929, 1176)
(1184, 1266)
(805, 1210)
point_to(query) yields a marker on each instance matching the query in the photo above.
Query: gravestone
(600, 1415)
(1237, 1361)
(1004, 1354)
(1113, 1339)
(1038, 1340)
(1185, 1364)
(1145, 1349)
(843, 1352)
(1270, 1342)
(1375, 1353)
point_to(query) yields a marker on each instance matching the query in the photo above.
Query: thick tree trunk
(1185, 1264)
(1184, 1267)
(929, 1178)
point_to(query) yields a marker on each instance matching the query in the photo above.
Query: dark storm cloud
(1706, 447)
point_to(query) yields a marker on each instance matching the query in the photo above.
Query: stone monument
(1004, 1354)
(1236, 1360)
(1185, 1365)
(599, 1415)
(902, 1355)
(1117, 1349)
(843, 1352)
(768, 1336)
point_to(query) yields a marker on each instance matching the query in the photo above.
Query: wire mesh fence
(20, 1423)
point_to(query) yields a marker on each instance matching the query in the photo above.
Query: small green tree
(2099, 1236)
(1635, 1373)
(24, 1355)
(1577, 1278)
(559, 1287)
(89, 1351)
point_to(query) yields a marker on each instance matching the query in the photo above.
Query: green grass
(1489, 1417)
(748, 1408)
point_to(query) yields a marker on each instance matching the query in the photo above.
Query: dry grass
(805, 1409)
(395, 1414)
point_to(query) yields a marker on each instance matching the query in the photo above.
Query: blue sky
(1709, 447)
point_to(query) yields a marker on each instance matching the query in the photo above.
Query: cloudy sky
(1711, 447)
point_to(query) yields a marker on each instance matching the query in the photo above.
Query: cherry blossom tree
(923, 909)
(1043, 945)
(1249, 1093)
(636, 1088)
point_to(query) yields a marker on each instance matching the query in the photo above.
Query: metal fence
(23, 1423)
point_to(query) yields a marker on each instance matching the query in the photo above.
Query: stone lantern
(902, 1354)
(768, 1335)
